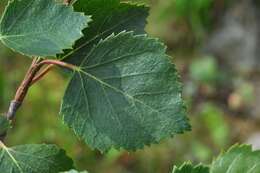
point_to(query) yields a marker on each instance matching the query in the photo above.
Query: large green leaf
(109, 16)
(238, 159)
(33, 159)
(188, 168)
(40, 27)
(125, 94)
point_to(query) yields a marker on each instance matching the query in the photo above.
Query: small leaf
(188, 168)
(238, 159)
(126, 94)
(33, 159)
(40, 27)
(4, 124)
(109, 16)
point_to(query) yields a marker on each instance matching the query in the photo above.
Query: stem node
(14, 106)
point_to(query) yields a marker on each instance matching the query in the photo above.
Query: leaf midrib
(5, 149)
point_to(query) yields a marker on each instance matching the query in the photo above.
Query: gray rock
(236, 40)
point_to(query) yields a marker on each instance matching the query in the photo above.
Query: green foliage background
(183, 25)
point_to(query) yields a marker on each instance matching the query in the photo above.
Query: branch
(51, 64)
(21, 92)
(30, 78)
(23, 88)
(42, 74)
(59, 63)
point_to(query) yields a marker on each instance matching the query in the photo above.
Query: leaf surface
(40, 27)
(33, 159)
(109, 16)
(188, 168)
(126, 95)
(238, 159)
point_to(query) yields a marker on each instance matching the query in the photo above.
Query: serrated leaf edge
(187, 126)
(189, 163)
(86, 24)
(134, 4)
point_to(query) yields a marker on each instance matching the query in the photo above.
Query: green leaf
(126, 94)
(4, 124)
(33, 158)
(109, 16)
(188, 168)
(238, 159)
(40, 27)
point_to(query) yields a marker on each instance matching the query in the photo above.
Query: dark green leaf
(40, 27)
(125, 94)
(109, 16)
(33, 159)
(188, 168)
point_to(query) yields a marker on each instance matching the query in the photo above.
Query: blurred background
(215, 44)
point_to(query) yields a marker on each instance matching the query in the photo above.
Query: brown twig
(30, 78)
(21, 92)
(23, 88)
(58, 63)
(42, 74)
(51, 64)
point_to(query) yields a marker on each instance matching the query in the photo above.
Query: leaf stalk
(30, 78)
(59, 63)
(42, 74)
